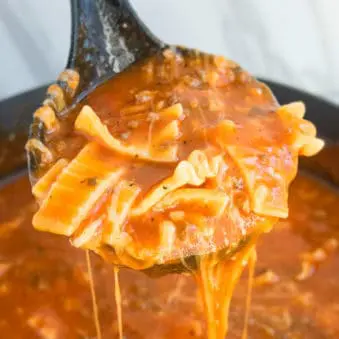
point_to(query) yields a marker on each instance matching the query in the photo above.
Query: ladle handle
(107, 36)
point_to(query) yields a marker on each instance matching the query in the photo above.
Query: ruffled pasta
(90, 125)
(76, 190)
(162, 143)
(119, 206)
(264, 201)
(312, 147)
(129, 255)
(193, 171)
(175, 111)
(88, 236)
(168, 232)
(203, 186)
(295, 109)
(305, 141)
(212, 201)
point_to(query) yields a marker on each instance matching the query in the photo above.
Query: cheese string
(117, 294)
(93, 295)
(251, 269)
(216, 279)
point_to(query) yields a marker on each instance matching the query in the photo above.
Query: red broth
(44, 288)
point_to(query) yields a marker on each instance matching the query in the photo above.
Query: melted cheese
(93, 295)
(251, 270)
(117, 295)
(216, 281)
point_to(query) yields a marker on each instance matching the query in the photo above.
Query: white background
(295, 42)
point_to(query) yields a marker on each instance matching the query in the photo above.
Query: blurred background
(294, 42)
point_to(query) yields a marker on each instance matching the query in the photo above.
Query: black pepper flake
(152, 219)
(165, 187)
(89, 181)
(92, 181)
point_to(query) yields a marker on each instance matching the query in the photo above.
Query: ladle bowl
(107, 38)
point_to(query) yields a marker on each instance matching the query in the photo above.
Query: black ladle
(107, 37)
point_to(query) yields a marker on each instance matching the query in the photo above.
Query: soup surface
(44, 287)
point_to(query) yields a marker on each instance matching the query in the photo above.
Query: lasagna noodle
(175, 111)
(125, 254)
(193, 171)
(91, 126)
(214, 200)
(267, 183)
(86, 236)
(161, 145)
(122, 199)
(79, 186)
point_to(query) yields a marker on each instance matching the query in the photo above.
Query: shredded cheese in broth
(184, 167)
